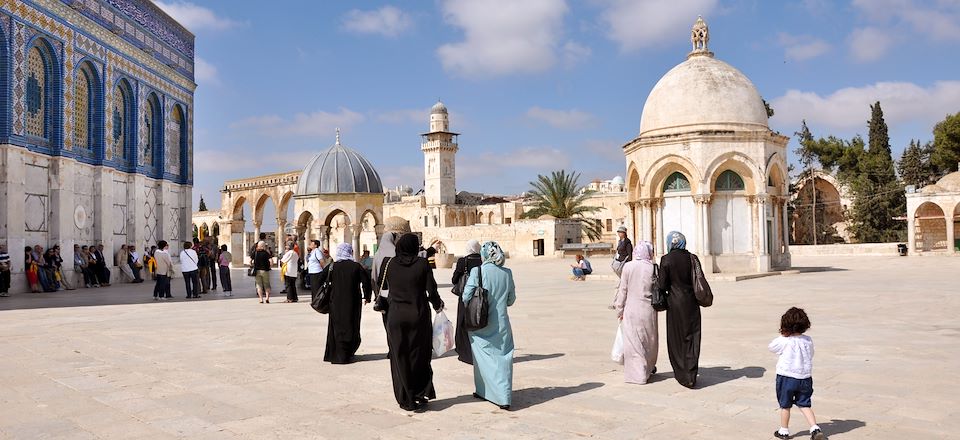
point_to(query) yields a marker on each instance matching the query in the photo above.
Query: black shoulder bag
(658, 298)
(701, 289)
(478, 308)
(321, 302)
(380, 303)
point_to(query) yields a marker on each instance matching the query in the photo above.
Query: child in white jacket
(795, 371)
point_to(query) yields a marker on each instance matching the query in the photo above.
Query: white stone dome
(702, 93)
(618, 180)
(438, 108)
(339, 170)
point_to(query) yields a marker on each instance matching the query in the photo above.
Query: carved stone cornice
(702, 199)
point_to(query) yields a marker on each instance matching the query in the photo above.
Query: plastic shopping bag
(616, 354)
(442, 334)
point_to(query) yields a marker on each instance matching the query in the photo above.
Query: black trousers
(314, 284)
(213, 276)
(225, 281)
(291, 283)
(162, 288)
(204, 278)
(88, 277)
(136, 272)
(192, 281)
(4, 281)
(103, 274)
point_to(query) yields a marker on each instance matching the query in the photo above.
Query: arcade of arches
(330, 218)
(934, 216)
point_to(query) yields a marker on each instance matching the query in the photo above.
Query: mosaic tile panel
(19, 79)
(174, 143)
(82, 111)
(36, 94)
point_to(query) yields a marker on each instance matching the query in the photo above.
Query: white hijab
(387, 249)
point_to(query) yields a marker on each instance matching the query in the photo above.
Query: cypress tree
(203, 205)
(912, 168)
(879, 196)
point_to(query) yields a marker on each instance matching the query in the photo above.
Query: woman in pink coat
(638, 320)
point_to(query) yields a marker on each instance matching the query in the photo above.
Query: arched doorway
(204, 232)
(679, 212)
(339, 226)
(368, 233)
(931, 231)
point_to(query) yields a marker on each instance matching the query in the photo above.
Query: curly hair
(795, 321)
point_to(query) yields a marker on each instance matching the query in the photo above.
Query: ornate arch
(746, 168)
(176, 148)
(237, 213)
(633, 182)
(122, 138)
(43, 116)
(153, 145)
(88, 110)
(657, 174)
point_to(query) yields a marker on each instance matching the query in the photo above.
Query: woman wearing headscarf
(460, 274)
(638, 319)
(683, 312)
(493, 345)
(409, 331)
(347, 278)
(385, 251)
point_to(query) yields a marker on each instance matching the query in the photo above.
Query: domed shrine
(706, 163)
(933, 215)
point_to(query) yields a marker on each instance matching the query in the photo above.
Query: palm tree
(560, 196)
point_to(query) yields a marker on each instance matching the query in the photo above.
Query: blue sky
(538, 85)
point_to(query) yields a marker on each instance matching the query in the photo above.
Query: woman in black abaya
(410, 332)
(683, 312)
(460, 275)
(343, 326)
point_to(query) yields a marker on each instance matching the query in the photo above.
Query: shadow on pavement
(528, 397)
(370, 357)
(809, 269)
(536, 357)
(711, 376)
(834, 427)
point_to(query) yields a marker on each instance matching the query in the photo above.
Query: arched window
(152, 129)
(38, 90)
(121, 139)
(177, 140)
(676, 182)
(729, 181)
(85, 106)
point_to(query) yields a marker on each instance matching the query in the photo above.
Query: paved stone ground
(111, 363)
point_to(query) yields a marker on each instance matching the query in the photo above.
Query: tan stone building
(933, 216)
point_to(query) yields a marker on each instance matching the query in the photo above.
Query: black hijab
(407, 247)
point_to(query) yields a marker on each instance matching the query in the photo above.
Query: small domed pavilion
(933, 216)
(707, 164)
(339, 199)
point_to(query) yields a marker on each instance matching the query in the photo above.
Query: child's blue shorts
(791, 391)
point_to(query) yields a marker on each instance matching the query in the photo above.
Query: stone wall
(517, 239)
(879, 249)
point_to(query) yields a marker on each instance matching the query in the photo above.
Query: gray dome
(339, 170)
(438, 108)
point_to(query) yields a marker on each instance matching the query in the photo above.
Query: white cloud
(869, 44)
(388, 21)
(637, 24)
(317, 124)
(849, 108)
(939, 19)
(503, 37)
(196, 18)
(574, 53)
(802, 47)
(564, 119)
(611, 150)
(211, 160)
(204, 72)
(539, 158)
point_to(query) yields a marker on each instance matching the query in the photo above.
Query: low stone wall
(880, 249)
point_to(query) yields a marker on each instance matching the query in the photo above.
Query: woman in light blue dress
(492, 346)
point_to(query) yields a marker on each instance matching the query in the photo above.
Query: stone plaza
(111, 363)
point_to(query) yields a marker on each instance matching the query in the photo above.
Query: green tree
(946, 144)
(915, 166)
(559, 195)
(769, 109)
(203, 205)
(878, 195)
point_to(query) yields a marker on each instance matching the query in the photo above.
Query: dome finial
(700, 37)
(338, 135)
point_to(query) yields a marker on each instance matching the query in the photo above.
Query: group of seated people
(44, 269)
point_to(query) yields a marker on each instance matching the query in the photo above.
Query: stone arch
(451, 219)
(490, 218)
(237, 213)
(777, 174)
(746, 168)
(471, 217)
(633, 182)
(259, 205)
(931, 227)
(43, 116)
(657, 174)
(176, 150)
(203, 231)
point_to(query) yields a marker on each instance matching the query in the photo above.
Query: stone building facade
(933, 217)
(96, 125)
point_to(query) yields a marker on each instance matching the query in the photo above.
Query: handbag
(321, 302)
(617, 266)
(658, 298)
(380, 302)
(701, 289)
(478, 308)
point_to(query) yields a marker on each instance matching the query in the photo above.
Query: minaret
(439, 159)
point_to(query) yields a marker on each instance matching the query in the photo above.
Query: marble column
(911, 233)
(762, 216)
(703, 205)
(785, 228)
(657, 234)
(950, 232)
(61, 229)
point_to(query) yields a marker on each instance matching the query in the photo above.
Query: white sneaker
(156, 299)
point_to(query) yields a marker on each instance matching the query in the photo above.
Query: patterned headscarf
(473, 247)
(643, 251)
(491, 253)
(676, 240)
(344, 252)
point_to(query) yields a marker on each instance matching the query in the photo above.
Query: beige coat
(164, 262)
